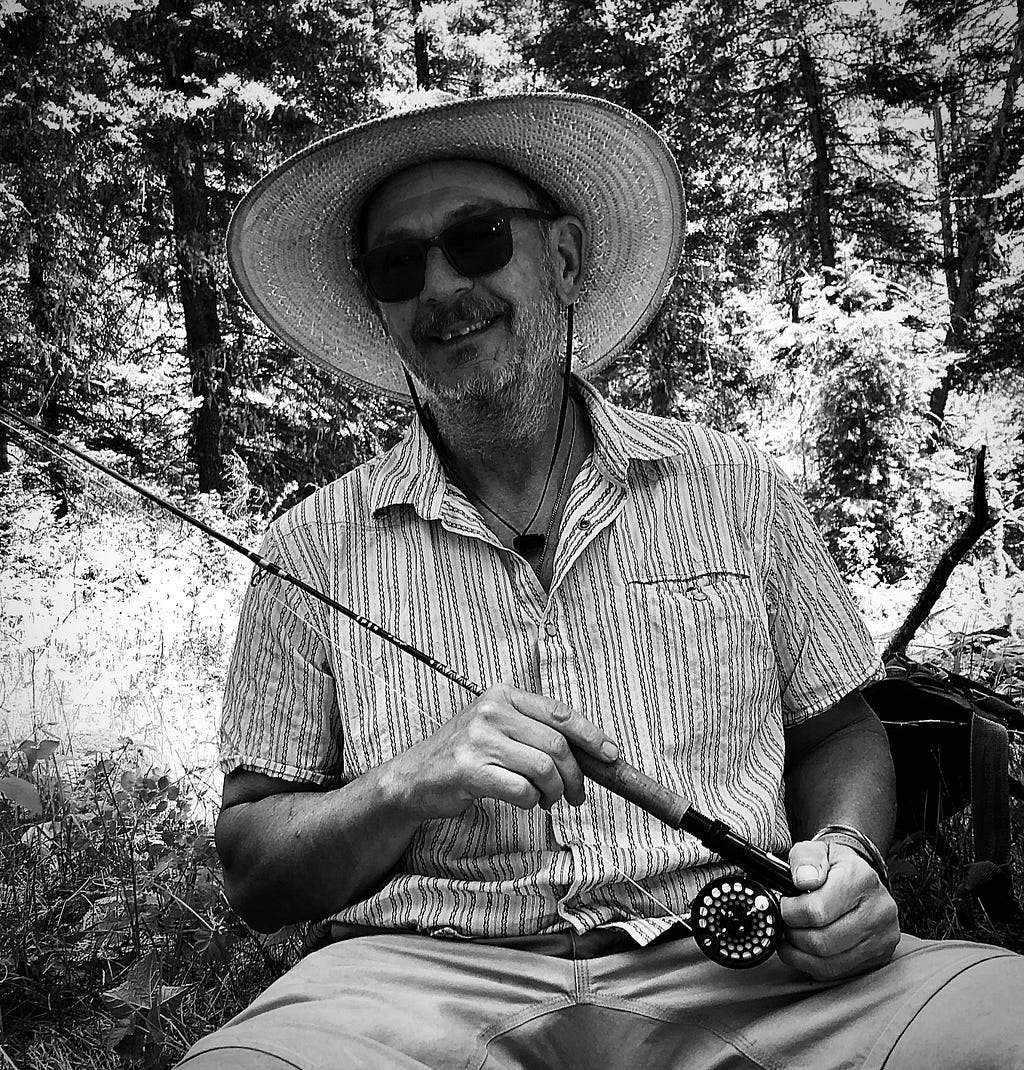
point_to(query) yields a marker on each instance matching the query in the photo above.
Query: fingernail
(806, 873)
(609, 750)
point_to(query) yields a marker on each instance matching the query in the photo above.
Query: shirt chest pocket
(706, 635)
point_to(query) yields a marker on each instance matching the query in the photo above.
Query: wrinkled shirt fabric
(694, 613)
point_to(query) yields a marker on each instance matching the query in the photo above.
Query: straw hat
(291, 239)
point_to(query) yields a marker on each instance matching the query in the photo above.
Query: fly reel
(736, 921)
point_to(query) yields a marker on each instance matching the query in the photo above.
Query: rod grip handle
(636, 787)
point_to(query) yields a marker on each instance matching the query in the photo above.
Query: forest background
(851, 298)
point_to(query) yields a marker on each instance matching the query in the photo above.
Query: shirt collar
(622, 436)
(411, 473)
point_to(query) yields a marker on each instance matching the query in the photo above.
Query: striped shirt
(693, 613)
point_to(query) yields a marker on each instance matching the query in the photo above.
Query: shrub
(115, 930)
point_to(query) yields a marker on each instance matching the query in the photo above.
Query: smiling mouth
(461, 332)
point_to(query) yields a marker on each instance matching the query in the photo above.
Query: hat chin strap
(526, 540)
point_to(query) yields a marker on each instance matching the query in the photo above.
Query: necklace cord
(433, 434)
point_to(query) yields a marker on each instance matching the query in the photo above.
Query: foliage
(850, 297)
(141, 145)
(115, 927)
(861, 363)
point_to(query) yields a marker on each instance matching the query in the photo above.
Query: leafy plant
(112, 911)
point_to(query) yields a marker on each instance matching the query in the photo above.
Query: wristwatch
(855, 839)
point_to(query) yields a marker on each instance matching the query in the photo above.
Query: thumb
(809, 862)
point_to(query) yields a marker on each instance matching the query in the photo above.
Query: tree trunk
(821, 179)
(976, 225)
(949, 260)
(419, 47)
(196, 251)
(659, 374)
(45, 343)
(197, 287)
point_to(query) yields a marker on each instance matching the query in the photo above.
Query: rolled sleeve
(822, 646)
(280, 712)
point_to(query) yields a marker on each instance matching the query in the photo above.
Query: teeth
(464, 330)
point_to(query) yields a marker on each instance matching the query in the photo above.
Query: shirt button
(550, 627)
(584, 524)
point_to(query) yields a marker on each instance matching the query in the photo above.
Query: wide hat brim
(291, 239)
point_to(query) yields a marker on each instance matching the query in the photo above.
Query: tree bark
(821, 179)
(949, 260)
(660, 378)
(40, 255)
(419, 47)
(196, 252)
(976, 224)
(197, 288)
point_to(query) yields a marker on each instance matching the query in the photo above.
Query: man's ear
(568, 246)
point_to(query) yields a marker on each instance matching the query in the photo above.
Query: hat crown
(291, 238)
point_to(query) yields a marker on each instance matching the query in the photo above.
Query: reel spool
(736, 921)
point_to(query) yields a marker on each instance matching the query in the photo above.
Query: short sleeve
(822, 646)
(279, 714)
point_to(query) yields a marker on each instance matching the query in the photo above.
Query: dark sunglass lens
(479, 246)
(395, 272)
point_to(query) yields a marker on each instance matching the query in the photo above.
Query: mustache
(433, 322)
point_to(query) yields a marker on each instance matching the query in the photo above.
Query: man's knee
(975, 1020)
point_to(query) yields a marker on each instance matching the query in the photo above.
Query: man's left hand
(846, 923)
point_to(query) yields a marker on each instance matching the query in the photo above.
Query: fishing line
(358, 662)
(736, 919)
(411, 705)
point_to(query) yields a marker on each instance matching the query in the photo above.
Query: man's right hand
(508, 744)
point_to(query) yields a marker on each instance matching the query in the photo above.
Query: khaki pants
(392, 1001)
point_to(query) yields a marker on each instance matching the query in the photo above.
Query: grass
(117, 946)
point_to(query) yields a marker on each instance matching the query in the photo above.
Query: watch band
(856, 840)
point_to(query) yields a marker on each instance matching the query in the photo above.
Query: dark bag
(949, 737)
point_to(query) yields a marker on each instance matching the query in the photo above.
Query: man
(624, 584)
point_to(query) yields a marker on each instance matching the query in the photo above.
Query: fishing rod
(735, 919)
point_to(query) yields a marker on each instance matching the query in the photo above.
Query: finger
(574, 726)
(809, 864)
(869, 942)
(540, 769)
(842, 935)
(824, 906)
(834, 967)
(830, 887)
(552, 743)
(509, 787)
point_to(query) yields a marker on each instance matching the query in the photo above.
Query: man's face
(478, 340)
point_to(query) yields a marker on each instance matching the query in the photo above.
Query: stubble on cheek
(505, 401)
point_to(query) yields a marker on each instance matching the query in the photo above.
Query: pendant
(529, 542)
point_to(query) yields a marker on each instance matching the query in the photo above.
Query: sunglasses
(474, 246)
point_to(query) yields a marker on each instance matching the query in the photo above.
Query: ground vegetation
(850, 298)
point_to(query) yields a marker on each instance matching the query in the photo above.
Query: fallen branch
(981, 521)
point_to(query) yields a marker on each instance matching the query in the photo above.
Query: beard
(493, 407)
